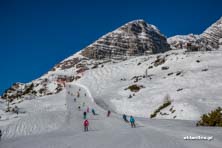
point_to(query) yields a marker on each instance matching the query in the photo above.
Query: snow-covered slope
(192, 81)
(104, 131)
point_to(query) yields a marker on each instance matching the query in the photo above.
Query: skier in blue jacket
(93, 111)
(132, 122)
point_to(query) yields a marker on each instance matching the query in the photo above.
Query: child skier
(86, 124)
(132, 122)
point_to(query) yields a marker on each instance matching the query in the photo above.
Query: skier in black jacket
(0, 135)
(125, 118)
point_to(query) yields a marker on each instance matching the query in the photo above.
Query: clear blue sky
(37, 34)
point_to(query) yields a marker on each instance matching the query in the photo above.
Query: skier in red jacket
(86, 124)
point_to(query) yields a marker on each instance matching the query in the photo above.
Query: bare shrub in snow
(214, 118)
(135, 87)
(166, 102)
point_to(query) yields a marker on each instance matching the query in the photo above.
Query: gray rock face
(191, 42)
(134, 38)
(214, 33)
(181, 41)
(208, 40)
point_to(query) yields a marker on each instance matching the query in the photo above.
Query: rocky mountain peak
(214, 33)
(138, 26)
(134, 38)
(210, 39)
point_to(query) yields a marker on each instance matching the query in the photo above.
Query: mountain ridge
(209, 39)
(133, 38)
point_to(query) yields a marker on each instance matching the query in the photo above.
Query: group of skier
(86, 122)
(132, 120)
(87, 110)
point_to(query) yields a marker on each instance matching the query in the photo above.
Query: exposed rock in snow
(220, 41)
(134, 38)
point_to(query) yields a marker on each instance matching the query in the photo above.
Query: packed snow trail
(112, 131)
(156, 135)
(97, 122)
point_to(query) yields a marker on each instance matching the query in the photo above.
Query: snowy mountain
(208, 40)
(214, 33)
(125, 72)
(134, 38)
(122, 68)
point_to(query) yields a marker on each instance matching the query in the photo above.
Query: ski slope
(192, 81)
(104, 131)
